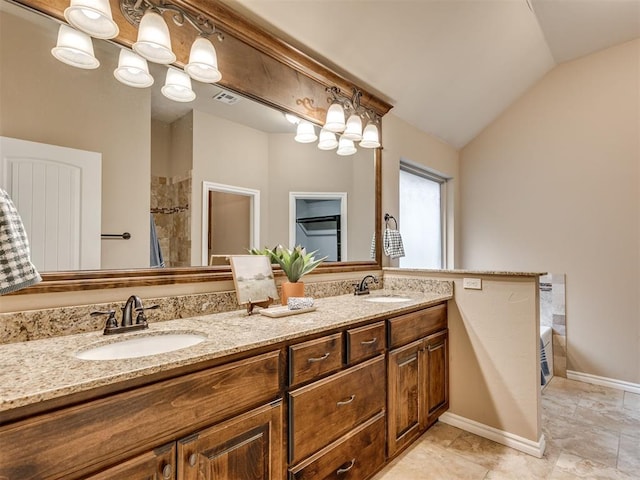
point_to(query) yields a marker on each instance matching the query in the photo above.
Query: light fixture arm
(133, 10)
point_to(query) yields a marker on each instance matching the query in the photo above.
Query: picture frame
(253, 278)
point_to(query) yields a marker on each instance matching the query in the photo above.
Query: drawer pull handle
(346, 469)
(319, 359)
(346, 402)
(369, 342)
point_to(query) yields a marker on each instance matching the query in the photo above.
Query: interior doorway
(318, 222)
(230, 221)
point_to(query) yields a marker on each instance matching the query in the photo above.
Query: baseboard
(530, 447)
(604, 381)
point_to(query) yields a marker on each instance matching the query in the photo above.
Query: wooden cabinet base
(356, 456)
(248, 447)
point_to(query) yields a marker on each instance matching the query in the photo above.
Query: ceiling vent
(226, 97)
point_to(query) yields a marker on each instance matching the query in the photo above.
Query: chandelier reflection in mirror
(349, 131)
(93, 18)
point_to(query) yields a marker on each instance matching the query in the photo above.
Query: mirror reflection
(210, 177)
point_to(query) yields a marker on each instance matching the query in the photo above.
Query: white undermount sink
(387, 299)
(141, 346)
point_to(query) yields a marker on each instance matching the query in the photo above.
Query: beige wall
(494, 351)
(160, 148)
(553, 185)
(402, 141)
(91, 112)
(232, 154)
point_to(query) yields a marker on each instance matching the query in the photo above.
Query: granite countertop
(502, 273)
(46, 369)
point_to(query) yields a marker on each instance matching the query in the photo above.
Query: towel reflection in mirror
(16, 269)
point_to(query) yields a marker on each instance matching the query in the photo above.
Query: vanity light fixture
(352, 129)
(93, 17)
(177, 86)
(335, 118)
(133, 70)
(154, 42)
(75, 48)
(349, 131)
(346, 147)
(305, 132)
(327, 140)
(370, 136)
(203, 62)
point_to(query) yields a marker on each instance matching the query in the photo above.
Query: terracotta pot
(291, 290)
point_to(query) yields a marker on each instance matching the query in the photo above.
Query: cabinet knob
(193, 459)
(347, 468)
(167, 472)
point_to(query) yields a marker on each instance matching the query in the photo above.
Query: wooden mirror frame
(254, 63)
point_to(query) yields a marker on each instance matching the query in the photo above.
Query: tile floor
(592, 432)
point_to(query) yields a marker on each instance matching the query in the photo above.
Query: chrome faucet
(132, 304)
(362, 288)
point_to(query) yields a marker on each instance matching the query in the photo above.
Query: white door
(57, 192)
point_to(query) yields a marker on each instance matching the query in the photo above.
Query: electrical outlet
(472, 283)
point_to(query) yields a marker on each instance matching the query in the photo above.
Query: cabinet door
(156, 465)
(405, 395)
(437, 372)
(248, 447)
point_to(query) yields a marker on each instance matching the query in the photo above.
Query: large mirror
(210, 177)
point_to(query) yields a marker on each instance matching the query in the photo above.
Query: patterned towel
(544, 365)
(16, 269)
(392, 243)
(372, 252)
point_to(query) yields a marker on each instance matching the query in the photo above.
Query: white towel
(16, 269)
(392, 243)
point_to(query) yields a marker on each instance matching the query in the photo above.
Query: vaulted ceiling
(449, 67)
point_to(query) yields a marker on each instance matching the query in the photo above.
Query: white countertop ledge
(47, 369)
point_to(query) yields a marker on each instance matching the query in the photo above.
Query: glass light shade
(346, 147)
(75, 48)
(93, 17)
(133, 70)
(305, 132)
(177, 86)
(335, 118)
(353, 131)
(292, 119)
(327, 140)
(203, 62)
(370, 137)
(153, 41)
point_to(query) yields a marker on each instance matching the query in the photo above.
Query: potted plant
(294, 263)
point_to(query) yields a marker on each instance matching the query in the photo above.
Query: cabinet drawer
(365, 342)
(412, 326)
(355, 456)
(327, 409)
(72, 442)
(315, 358)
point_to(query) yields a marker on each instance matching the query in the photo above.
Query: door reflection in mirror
(319, 223)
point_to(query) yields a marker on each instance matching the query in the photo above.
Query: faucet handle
(141, 319)
(111, 320)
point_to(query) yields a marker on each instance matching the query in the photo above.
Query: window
(422, 215)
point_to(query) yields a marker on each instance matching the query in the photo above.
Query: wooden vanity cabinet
(248, 447)
(337, 422)
(122, 432)
(159, 464)
(418, 385)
